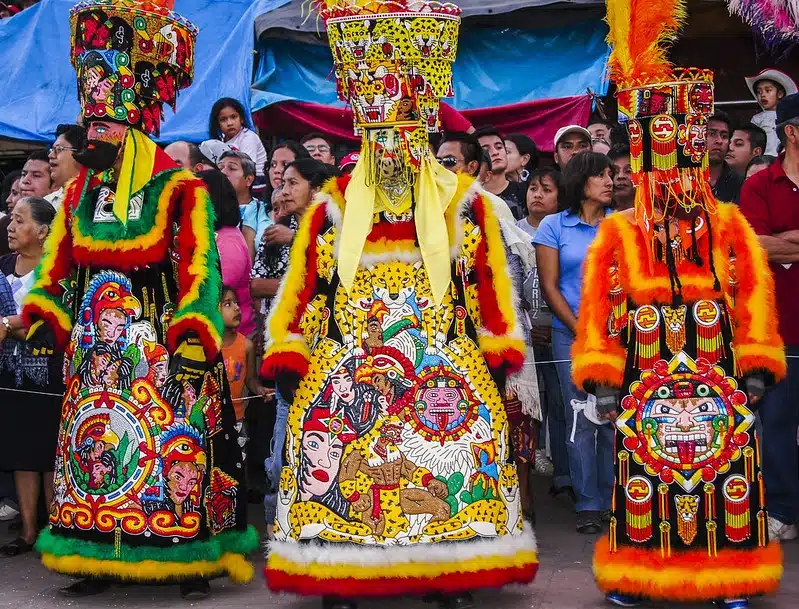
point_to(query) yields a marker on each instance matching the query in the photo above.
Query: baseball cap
(788, 108)
(213, 149)
(349, 161)
(571, 129)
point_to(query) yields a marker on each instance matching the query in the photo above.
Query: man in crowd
(623, 189)
(600, 134)
(513, 193)
(769, 200)
(36, 180)
(726, 183)
(747, 142)
(319, 147)
(189, 156)
(460, 152)
(569, 141)
(63, 166)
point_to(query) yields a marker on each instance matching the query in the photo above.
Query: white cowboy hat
(771, 74)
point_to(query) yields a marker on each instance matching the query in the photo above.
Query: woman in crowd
(234, 255)
(561, 241)
(522, 157)
(282, 155)
(228, 123)
(11, 194)
(542, 201)
(301, 180)
(30, 420)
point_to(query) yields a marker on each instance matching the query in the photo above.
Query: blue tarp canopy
(37, 82)
(494, 67)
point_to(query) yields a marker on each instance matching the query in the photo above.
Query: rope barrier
(255, 397)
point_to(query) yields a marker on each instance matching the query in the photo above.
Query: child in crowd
(769, 87)
(238, 353)
(228, 123)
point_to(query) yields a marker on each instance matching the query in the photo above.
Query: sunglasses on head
(448, 161)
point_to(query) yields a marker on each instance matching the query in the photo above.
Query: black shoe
(564, 492)
(605, 516)
(588, 522)
(195, 589)
(332, 602)
(463, 600)
(85, 587)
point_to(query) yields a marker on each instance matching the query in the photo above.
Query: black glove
(287, 384)
(607, 399)
(41, 339)
(755, 386)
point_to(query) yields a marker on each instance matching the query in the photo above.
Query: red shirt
(770, 201)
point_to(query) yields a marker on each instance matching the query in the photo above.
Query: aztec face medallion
(685, 421)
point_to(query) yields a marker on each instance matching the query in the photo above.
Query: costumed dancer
(392, 336)
(148, 473)
(678, 323)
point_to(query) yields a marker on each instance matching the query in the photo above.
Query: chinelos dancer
(678, 340)
(148, 474)
(393, 334)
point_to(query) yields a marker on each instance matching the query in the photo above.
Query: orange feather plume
(640, 34)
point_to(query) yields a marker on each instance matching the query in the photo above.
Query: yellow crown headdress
(665, 110)
(393, 64)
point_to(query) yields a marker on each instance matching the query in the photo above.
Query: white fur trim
(359, 555)
(396, 255)
(463, 207)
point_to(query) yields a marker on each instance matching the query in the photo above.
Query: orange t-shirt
(235, 357)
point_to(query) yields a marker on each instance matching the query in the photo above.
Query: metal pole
(740, 102)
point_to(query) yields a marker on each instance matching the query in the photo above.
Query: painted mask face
(443, 406)
(322, 454)
(342, 385)
(684, 429)
(181, 480)
(111, 325)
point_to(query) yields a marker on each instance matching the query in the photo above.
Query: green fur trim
(83, 216)
(234, 542)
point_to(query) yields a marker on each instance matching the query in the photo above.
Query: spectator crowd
(260, 197)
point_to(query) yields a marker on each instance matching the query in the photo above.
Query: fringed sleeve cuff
(592, 368)
(289, 357)
(503, 354)
(41, 306)
(754, 358)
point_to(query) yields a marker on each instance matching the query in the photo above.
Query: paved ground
(564, 580)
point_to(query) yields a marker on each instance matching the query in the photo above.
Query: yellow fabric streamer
(138, 160)
(434, 190)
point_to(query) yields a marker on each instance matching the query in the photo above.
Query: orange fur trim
(597, 367)
(688, 576)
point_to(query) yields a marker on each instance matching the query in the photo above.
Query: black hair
(470, 145)
(196, 157)
(525, 145)
(226, 204)
(315, 172)
(722, 117)
(316, 135)
(618, 151)
(8, 182)
(757, 136)
(39, 155)
(74, 134)
(298, 149)
(42, 211)
(213, 122)
(225, 289)
(618, 135)
(489, 130)
(598, 120)
(581, 166)
(554, 174)
(485, 159)
(761, 159)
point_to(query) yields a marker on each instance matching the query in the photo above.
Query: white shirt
(248, 142)
(768, 121)
(56, 198)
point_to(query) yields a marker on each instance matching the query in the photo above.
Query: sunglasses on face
(448, 161)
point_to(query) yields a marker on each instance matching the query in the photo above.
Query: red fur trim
(508, 361)
(31, 314)
(279, 581)
(687, 576)
(311, 275)
(283, 362)
(187, 237)
(178, 331)
(342, 183)
(402, 231)
(490, 313)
